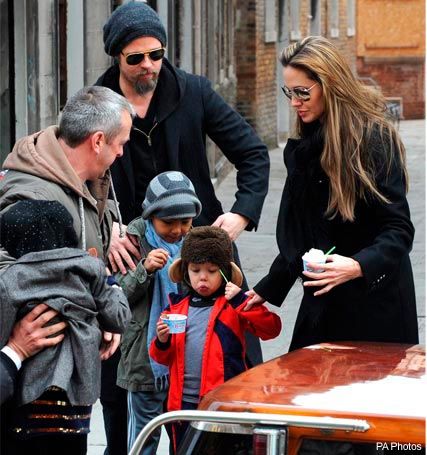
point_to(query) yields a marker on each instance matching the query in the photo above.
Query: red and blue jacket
(224, 349)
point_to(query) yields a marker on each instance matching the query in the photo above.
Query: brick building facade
(391, 50)
(263, 29)
(55, 47)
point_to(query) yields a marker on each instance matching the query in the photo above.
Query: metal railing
(247, 418)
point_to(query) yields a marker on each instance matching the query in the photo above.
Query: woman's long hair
(353, 114)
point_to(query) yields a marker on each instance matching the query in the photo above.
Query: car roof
(375, 381)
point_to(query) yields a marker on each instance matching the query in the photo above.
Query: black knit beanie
(129, 22)
(31, 225)
(207, 244)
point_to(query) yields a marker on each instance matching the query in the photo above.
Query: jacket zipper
(148, 136)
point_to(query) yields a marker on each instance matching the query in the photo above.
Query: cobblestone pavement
(258, 249)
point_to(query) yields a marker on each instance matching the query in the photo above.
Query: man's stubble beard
(142, 88)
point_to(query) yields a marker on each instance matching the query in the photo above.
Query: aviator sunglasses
(137, 57)
(299, 93)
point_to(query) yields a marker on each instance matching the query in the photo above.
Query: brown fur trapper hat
(206, 244)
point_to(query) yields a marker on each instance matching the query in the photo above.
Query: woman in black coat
(346, 187)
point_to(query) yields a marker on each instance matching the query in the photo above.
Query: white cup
(176, 322)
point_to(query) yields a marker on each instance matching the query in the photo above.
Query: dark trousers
(177, 430)
(114, 408)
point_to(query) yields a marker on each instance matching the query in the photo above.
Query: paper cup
(176, 322)
(309, 269)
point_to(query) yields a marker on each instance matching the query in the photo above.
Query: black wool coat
(380, 306)
(187, 111)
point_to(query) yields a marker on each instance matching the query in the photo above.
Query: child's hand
(231, 290)
(162, 331)
(156, 259)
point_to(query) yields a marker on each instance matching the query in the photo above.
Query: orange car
(342, 398)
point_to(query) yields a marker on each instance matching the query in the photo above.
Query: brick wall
(256, 60)
(256, 71)
(346, 44)
(399, 78)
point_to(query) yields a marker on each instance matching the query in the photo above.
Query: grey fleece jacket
(74, 284)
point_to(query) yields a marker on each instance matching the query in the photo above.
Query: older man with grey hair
(70, 164)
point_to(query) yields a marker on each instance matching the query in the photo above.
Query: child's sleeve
(114, 313)
(162, 352)
(259, 320)
(135, 283)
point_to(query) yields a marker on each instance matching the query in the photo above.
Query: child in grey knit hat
(168, 210)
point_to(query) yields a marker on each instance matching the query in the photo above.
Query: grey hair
(92, 109)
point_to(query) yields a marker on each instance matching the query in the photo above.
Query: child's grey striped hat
(171, 195)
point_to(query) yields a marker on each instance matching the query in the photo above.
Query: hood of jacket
(41, 155)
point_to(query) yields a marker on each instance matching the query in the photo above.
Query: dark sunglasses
(137, 57)
(299, 93)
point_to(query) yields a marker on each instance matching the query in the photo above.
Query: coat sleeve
(242, 147)
(114, 313)
(8, 377)
(162, 352)
(395, 231)
(135, 283)
(259, 320)
(275, 286)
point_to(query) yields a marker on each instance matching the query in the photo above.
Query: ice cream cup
(309, 269)
(176, 322)
(313, 256)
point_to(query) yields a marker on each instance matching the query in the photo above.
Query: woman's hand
(254, 300)
(162, 331)
(121, 249)
(337, 270)
(156, 259)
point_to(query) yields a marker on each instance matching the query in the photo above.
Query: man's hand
(337, 270)
(29, 335)
(110, 343)
(232, 223)
(255, 299)
(156, 259)
(121, 250)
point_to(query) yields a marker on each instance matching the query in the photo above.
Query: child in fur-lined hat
(212, 348)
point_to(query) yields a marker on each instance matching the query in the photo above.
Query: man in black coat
(175, 113)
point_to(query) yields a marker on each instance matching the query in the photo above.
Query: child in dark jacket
(212, 348)
(58, 385)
